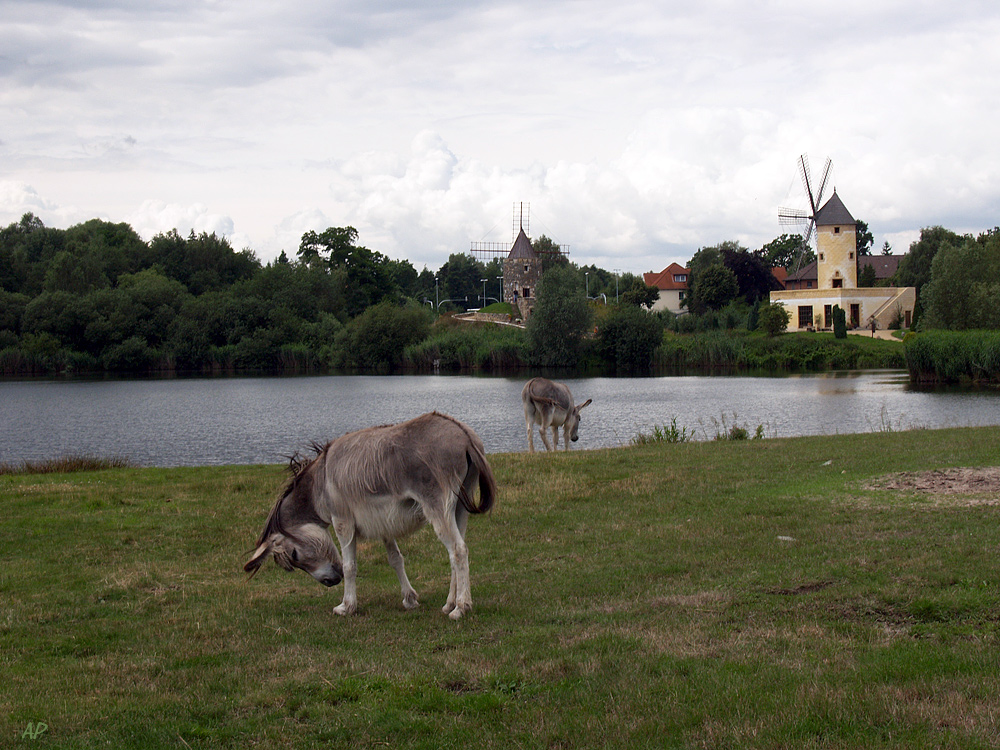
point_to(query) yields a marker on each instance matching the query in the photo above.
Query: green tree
(459, 278)
(754, 278)
(785, 251)
(866, 278)
(628, 337)
(915, 267)
(26, 249)
(549, 252)
(964, 291)
(640, 294)
(201, 262)
(863, 239)
(331, 247)
(715, 287)
(560, 319)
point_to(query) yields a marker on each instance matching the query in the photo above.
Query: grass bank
(753, 594)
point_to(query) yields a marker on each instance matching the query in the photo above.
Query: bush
(376, 339)
(773, 319)
(839, 322)
(628, 337)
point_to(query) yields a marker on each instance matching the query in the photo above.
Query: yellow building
(837, 282)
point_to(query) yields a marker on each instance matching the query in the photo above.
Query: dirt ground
(978, 486)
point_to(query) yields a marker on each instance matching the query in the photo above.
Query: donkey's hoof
(345, 609)
(410, 601)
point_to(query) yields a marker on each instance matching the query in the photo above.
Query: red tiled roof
(665, 278)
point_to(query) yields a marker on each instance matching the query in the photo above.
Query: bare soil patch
(979, 486)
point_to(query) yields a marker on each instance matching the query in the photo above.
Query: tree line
(97, 297)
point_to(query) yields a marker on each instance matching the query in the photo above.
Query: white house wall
(878, 302)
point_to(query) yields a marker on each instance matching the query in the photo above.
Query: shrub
(376, 339)
(773, 319)
(839, 322)
(628, 337)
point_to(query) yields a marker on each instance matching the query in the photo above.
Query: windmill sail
(805, 219)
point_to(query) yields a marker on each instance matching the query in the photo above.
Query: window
(838, 283)
(821, 256)
(526, 268)
(680, 277)
(850, 255)
(805, 316)
(836, 230)
(827, 316)
(527, 292)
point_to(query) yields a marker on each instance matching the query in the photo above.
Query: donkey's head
(297, 537)
(573, 420)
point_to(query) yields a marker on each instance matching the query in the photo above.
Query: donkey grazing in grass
(550, 405)
(381, 483)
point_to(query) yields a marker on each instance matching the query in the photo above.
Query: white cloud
(638, 132)
(156, 217)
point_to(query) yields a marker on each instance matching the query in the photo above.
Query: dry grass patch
(953, 487)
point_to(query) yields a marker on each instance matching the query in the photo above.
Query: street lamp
(617, 271)
(587, 275)
(500, 279)
(484, 293)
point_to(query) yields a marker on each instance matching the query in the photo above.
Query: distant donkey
(381, 483)
(550, 406)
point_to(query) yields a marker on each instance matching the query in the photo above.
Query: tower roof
(522, 247)
(834, 212)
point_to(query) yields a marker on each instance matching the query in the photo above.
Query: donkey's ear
(259, 556)
(585, 403)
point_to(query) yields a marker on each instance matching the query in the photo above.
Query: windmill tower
(836, 246)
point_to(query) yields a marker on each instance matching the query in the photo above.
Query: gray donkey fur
(381, 483)
(550, 406)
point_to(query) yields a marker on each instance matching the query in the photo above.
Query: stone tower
(521, 270)
(836, 246)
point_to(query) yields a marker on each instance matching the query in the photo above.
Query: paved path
(879, 334)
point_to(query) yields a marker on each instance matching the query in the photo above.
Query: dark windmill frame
(806, 217)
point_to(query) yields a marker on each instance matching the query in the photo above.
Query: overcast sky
(638, 131)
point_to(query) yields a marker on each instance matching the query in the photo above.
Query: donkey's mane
(299, 476)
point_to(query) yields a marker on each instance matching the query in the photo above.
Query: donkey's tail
(476, 458)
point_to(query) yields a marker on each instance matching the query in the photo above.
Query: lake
(200, 421)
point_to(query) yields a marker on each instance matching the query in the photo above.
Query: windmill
(804, 218)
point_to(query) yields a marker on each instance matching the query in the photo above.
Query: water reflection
(255, 420)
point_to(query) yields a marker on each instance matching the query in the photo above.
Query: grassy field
(732, 594)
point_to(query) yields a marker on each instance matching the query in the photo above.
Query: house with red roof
(672, 282)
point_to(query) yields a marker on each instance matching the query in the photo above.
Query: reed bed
(953, 356)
